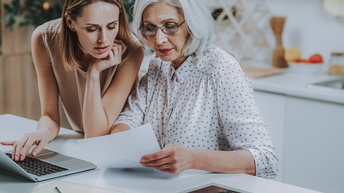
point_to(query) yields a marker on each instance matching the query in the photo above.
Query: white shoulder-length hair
(197, 18)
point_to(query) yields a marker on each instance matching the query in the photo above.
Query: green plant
(36, 12)
(128, 4)
(33, 12)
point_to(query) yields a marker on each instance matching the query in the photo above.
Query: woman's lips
(164, 51)
(101, 50)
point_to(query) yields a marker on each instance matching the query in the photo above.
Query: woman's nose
(102, 36)
(160, 37)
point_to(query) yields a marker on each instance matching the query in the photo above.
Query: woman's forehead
(99, 11)
(161, 11)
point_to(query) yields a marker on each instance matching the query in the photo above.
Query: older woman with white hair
(195, 95)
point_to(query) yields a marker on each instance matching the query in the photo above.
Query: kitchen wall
(308, 27)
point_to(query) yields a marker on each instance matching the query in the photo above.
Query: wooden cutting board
(255, 72)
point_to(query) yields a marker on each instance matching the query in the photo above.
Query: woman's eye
(112, 26)
(91, 29)
(170, 25)
(150, 28)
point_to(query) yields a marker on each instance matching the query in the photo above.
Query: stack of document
(121, 150)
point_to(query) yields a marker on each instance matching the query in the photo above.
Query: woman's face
(168, 47)
(97, 28)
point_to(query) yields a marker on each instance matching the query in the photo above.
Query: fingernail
(34, 153)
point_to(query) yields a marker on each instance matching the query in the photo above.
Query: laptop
(46, 165)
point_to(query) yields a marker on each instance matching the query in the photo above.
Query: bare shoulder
(38, 48)
(37, 38)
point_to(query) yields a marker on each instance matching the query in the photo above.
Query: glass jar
(336, 66)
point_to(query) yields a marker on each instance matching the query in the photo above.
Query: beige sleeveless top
(71, 84)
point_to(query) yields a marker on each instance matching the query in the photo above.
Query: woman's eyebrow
(94, 24)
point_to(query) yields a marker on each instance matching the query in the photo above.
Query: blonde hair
(69, 46)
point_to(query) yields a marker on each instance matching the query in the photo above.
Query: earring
(72, 29)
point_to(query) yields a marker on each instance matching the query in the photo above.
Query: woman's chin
(101, 56)
(165, 58)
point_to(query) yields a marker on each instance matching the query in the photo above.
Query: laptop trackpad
(51, 156)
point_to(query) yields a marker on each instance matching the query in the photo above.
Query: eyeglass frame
(162, 29)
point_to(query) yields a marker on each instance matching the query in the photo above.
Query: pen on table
(57, 189)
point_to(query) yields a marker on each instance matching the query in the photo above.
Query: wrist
(201, 159)
(48, 128)
(194, 158)
(92, 73)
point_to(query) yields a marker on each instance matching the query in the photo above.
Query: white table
(129, 180)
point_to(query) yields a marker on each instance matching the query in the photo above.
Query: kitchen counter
(288, 83)
(297, 85)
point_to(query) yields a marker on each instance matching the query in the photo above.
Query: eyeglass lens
(169, 28)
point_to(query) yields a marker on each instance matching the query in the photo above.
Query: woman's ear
(70, 22)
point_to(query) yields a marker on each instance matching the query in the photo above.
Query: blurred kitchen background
(306, 124)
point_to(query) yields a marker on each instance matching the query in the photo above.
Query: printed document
(121, 150)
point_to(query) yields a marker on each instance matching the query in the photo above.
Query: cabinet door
(314, 145)
(272, 107)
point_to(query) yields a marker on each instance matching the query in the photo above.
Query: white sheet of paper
(121, 150)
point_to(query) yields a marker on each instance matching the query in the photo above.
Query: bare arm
(99, 113)
(48, 125)
(174, 159)
(47, 86)
(119, 127)
(239, 161)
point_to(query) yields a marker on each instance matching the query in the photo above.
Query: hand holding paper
(123, 149)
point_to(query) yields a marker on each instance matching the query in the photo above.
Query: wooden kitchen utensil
(277, 25)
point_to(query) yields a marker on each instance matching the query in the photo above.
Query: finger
(38, 148)
(123, 48)
(159, 162)
(118, 41)
(25, 149)
(18, 147)
(170, 168)
(23, 152)
(122, 45)
(154, 156)
(7, 143)
(16, 151)
(165, 167)
(112, 56)
(117, 55)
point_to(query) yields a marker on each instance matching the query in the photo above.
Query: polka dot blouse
(207, 103)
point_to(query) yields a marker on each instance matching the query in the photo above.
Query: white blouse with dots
(206, 103)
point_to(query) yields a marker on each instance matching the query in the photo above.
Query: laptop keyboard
(38, 167)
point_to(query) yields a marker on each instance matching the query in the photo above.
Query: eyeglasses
(168, 28)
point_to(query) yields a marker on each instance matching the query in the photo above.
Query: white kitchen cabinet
(308, 136)
(314, 144)
(272, 107)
